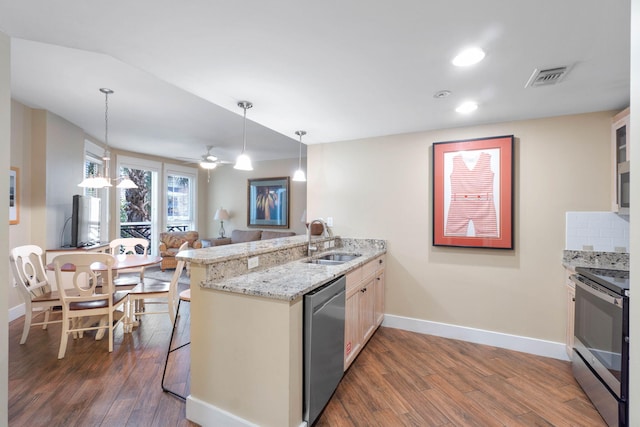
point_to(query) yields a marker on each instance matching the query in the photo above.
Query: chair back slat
(85, 279)
(28, 270)
(32, 282)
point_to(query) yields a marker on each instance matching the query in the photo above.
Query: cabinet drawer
(379, 263)
(354, 278)
(369, 269)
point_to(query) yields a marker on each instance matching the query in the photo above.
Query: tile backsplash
(597, 231)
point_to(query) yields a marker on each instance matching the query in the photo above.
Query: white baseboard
(535, 346)
(16, 312)
(208, 415)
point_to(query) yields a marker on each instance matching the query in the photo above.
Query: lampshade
(221, 215)
(126, 183)
(95, 182)
(243, 162)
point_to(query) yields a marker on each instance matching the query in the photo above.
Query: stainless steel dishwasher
(323, 345)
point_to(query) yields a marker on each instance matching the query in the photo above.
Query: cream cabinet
(571, 310)
(621, 146)
(364, 308)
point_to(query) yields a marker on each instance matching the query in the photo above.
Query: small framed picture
(14, 196)
(268, 202)
(473, 193)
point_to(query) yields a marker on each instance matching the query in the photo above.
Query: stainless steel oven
(601, 334)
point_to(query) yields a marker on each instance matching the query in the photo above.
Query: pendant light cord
(106, 120)
(244, 129)
(300, 153)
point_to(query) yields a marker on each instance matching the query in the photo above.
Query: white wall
(65, 164)
(5, 109)
(20, 234)
(228, 188)
(381, 188)
(634, 322)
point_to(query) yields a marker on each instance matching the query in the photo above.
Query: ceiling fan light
(299, 176)
(208, 165)
(243, 163)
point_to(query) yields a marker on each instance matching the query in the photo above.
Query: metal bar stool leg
(184, 296)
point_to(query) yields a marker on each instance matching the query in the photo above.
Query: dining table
(123, 262)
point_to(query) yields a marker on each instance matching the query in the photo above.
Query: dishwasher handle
(325, 293)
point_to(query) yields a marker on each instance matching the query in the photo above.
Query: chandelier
(99, 181)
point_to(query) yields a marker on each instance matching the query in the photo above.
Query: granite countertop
(594, 259)
(291, 280)
(215, 254)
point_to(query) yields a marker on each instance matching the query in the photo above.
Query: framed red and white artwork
(473, 193)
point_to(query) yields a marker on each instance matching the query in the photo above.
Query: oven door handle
(601, 295)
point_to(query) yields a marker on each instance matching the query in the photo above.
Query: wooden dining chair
(127, 246)
(34, 287)
(82, 301)
(155, 292)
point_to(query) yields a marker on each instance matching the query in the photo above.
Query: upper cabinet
(620, 144)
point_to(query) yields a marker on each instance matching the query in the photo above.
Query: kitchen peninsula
(247, 326)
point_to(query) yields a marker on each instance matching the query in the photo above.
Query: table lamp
(221, 215)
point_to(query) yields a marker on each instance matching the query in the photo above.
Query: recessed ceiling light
(442, 94)
(467, 107)
(467, 57)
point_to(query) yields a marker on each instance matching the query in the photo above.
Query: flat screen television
(85, 221)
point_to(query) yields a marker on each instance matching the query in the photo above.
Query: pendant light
(243, 162)
(105, 181)
(299, 174)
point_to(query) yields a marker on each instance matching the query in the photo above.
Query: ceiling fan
(206, 161)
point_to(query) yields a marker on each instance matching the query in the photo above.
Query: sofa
(241, 236)
(170, 242)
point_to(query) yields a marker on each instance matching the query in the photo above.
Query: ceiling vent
(547, 77)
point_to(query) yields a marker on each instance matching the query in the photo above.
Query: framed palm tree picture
(268, 202)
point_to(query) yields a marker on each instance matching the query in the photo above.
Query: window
(135, 203)
(137, 208)
(180, 205)
(93, 166)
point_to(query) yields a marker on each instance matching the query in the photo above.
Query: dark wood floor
(92, 387)
(400, 379)
(406, 379)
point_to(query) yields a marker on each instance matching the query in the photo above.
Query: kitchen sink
(339, 257)
(333, 259)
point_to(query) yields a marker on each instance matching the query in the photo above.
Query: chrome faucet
(312, 248)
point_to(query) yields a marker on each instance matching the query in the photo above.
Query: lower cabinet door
(367, 304)
(379, 298)
(352, 336)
